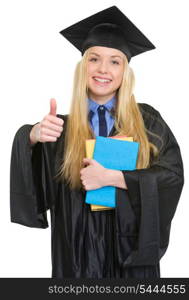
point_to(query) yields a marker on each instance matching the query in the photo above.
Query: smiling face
(105, 68)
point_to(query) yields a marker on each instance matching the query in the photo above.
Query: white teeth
(102, 80)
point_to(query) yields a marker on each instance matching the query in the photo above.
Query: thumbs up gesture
(49, 129)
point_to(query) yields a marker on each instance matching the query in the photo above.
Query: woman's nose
(103, 68)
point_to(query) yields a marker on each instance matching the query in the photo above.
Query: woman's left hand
(94, 175)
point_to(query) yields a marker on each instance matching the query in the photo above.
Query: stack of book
(116, 153)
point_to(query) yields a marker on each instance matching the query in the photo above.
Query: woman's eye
(115, 62)
(93, 59)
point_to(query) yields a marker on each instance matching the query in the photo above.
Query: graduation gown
(127, 242)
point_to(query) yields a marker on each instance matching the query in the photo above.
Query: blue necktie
(102, 120)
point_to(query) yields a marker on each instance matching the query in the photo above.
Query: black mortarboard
(108, 28)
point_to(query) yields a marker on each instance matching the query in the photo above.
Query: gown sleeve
(145, 210)
(32, 189)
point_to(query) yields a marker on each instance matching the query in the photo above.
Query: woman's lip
(102, 78)
(101, 83)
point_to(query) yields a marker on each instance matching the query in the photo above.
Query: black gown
(127, 242)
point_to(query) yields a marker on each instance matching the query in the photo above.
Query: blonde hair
(128, 121)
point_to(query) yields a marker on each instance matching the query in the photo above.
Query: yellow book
(90, 143)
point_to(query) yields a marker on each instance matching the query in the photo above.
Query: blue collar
(93, 106)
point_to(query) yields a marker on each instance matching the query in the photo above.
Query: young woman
(49, 168)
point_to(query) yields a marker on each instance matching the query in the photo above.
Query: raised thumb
(53, 107)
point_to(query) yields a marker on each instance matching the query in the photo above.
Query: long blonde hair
(128, 121)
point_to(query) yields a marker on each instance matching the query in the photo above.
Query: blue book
(112, 154)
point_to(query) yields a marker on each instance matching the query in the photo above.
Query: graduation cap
(108, 28)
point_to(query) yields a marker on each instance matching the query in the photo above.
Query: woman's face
(105, 72)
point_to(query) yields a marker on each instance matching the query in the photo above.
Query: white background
(37, 63)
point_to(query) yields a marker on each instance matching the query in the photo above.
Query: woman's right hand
(49, 129)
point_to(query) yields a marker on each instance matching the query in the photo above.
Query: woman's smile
(102, 81)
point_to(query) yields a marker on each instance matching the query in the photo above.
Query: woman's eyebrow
(117, 56)
(110, 56)
(94, 54)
